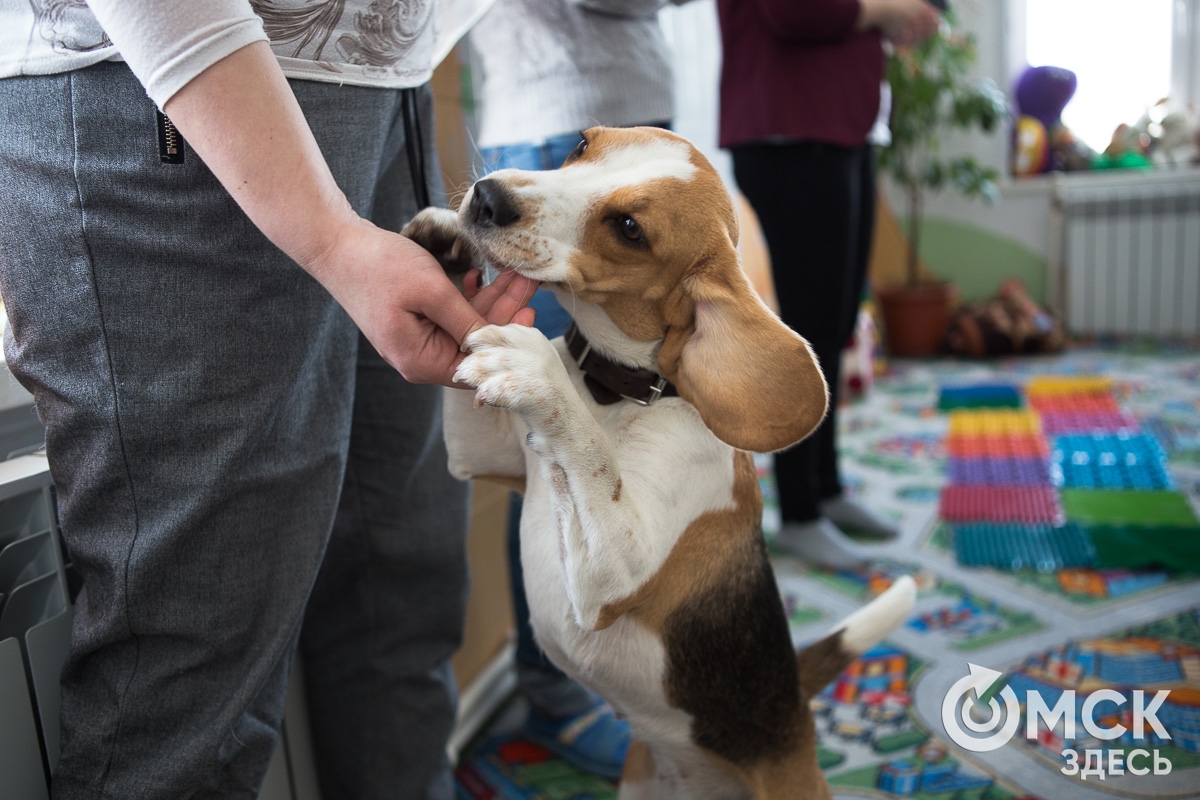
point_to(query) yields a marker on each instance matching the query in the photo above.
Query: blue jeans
(548, 154)
(237, 471)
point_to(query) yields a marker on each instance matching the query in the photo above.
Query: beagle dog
(645, 568)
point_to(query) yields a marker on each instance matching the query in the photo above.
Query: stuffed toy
(1042, 93)
(1031, 152)
(1068, 154)
(1010, 323)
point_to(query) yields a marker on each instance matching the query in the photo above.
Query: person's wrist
(319, 243)
(872, 14)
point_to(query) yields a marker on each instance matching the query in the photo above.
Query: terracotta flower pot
(915, 317)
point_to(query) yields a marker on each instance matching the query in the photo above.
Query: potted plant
(932, 93)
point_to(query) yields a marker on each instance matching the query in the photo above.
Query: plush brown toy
(1010, 323)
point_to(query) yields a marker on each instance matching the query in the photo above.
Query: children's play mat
(1039, 499)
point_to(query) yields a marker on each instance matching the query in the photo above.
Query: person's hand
(404, 304)
(904, 23)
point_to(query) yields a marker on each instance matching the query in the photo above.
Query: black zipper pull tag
(170, 143)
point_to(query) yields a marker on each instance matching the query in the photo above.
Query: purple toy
(1043, 93)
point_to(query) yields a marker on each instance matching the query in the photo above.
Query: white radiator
(1129, 258)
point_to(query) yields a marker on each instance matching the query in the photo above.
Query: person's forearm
(242, 119)
(902, 22)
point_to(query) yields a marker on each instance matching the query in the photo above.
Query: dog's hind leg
(481, 442)
(825, 659)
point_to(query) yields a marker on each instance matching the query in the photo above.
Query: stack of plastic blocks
(1103, 494)
(1002, 507)
(997, 448)
(1114, 480)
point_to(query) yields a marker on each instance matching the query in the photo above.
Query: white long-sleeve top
(384, 43)
(559, 66)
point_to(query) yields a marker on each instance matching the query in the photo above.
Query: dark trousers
(816, 205)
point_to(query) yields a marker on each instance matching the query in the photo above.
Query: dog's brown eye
(579, 148)
(629, 228)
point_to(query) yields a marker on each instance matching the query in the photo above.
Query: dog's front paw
(438, 231)
(517, 368)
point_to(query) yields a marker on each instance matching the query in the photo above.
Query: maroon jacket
(797, 69)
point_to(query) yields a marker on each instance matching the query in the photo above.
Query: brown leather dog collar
(610, 382)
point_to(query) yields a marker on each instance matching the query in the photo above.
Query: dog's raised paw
(514, 367)
(438, 231)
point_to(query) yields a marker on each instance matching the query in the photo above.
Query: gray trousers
(237, 472)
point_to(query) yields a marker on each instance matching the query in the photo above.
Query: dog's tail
(826, 658)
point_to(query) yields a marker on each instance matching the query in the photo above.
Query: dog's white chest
(672, 471)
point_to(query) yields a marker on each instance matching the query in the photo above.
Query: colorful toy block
(1146, 546)
(1059, 385)
(989, 395)
(1136, 509)
(981, 503)
(993, 471)
(1045, 548)
(1076, 403)
(1058, 423)
(1109, 461)
(1137, 529)
(998, 422)
(1012, 446)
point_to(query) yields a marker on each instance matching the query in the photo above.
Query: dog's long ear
(754, 381)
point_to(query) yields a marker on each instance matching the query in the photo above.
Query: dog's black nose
(492, 206)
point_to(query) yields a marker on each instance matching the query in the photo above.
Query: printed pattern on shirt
(382, 34)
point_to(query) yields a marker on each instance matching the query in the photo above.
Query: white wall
(695, 39)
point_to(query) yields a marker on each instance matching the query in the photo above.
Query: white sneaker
(822, 544)
(850, 516)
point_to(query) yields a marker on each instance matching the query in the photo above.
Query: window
(1126, 56)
